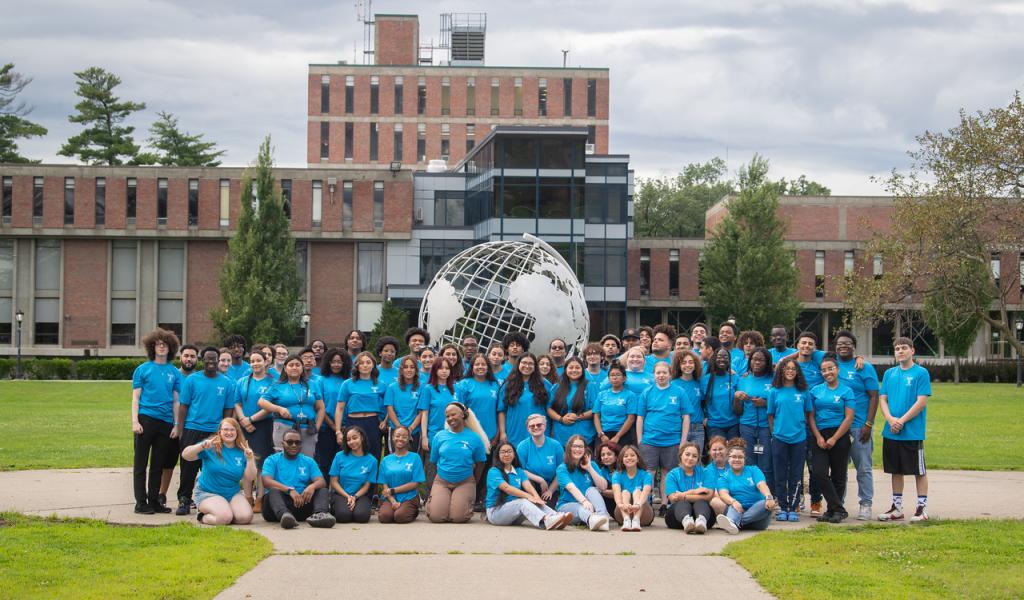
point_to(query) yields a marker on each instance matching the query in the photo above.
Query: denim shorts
(200, 494)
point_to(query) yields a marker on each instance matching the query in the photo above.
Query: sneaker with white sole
(605, 525)
(288, 521)
(893, 514)
(864, 514)
(921, 514)
(636, 523)
(688, 524)
(321, 520)
(727, 525)
(598, 522)
(700, 525)
(551, 521)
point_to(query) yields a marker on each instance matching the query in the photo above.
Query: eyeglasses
(558, 347)
(292, 442)
(507, 451)
(535, 425)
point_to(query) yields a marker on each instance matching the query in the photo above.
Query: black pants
(829, 468)
(276, 503)
(189, 468)
(360, 513)
(151, 449)
(326, 448)
(679, 511)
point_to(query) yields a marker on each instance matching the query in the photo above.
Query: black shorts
(903, 457)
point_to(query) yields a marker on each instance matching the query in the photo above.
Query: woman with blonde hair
(227, 460)
(459, 451)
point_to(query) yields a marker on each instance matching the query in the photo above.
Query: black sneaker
(184, 507)
(478, 507)
(160, 508)
(162, 499)
(143, 509)
(199, 516)
(839, 516)
(322, 520)
(826, 517)
(288, 521)
(662, 511)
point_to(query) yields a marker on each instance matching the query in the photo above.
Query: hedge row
(65, 368)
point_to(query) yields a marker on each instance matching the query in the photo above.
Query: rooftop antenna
(565, 57)
(364, 15)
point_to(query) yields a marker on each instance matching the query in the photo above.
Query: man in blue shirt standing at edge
(903, 399)
(155, 387)
(864, 384)
(239, 367)
(206, 398)
(295, 487)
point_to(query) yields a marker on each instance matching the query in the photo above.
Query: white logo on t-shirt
(551, 460)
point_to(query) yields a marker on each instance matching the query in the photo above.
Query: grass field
(938, 559)
(82, 558)
(54, 424)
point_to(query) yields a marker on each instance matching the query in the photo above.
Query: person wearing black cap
(630, 338)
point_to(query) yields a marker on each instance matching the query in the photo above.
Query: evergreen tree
(180, 148)
(747, 270)
(13, 124)
(393, 321)
(105, 141)
(260, 284)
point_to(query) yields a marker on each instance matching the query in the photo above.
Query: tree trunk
(956, 369)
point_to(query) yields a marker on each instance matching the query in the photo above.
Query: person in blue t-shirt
(606, 463)
(719, 385)
(387, 352)
(830, 426)
(453, 354)
(864, 384)
(256, 423)
(632, 484)
(903, 399)
(496, 359)
(459, 451)
(479, 391)
(745, 493)
(661, 423)
(335, 369)
(361, 403)
(688, 493)
(237, 367)
(353, 474)
(582, 483)
(752, 397)
(156, 384)
(728, 336)
(687, 376)
(571, 408)
(637, 380)
(522, 394)
(400, 474)
(295, 487)
(596, 373)
(437, 393)
(661, 347)
(789, 405)
(511, 497)
(206, 398)
(615, 409)
(747, 343)
(808, 357)
(779, 338)
(228, 467)
(547, 369)
(295, 404)
(427, 357)
(402, 400)
(540, 456)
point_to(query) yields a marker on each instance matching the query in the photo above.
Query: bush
(7, 368)
(48, 368)
(107, 368)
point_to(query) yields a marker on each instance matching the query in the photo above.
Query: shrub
(48, 368)
(107, 368)
(7, 368)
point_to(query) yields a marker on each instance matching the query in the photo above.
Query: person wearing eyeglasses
(830, 426)
(512, 499)
(540, 456)
(295, 487)
(557, 350)
(746, 495)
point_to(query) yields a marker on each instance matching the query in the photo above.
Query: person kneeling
(352, 475)
(511, 498)
(227, 460)
(295, 488)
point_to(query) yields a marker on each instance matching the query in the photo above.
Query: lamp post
(19, 316)
(1019, 325)
(305, 329)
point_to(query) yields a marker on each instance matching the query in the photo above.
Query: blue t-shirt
(579, 477)
(249, 390)
(543, 461)
(778, 355)
(236, 372)
(503, 372)
(720, 398)
(737, 361)
(331, 387)
(678, 481)
(361, 396)
(482, 398)
(902, 387)
(158, 384)
(637, 382)
(386, 377)
(299, 399)
(584, 427)
(633, 484)
(830, 405)
(662, 410)
(455, 454)
(693, 396)
(650, 360)
(206, 398)
(516, 415)
(295, 472)
(755, 387)
(812, 369)
(495, 479)
(598, 378)
(221, 474)
(613, 408)
(742, 486)
(353, 471)
(788, 408)
(860, 383)
(712, 473)
(398, 470)
(434, 399)
(405, 401)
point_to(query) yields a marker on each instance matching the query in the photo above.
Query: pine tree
(260, 284)
(747, 271)
(105, 141)
(180, 148)
(393, 321)
(13, 124)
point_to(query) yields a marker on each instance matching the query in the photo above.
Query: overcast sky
(835, 89)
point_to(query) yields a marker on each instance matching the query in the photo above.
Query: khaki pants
(405, 513)
(451, 502)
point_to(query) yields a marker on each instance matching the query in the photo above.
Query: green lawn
(53, 424)
(938, 559)
(82, 558)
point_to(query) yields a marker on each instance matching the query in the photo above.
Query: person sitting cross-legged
(295, 487)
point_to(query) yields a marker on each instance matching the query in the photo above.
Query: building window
(346, 205)
(131, 200)
(371, 268)
(542, 97)
(161, 201)
(349, 128)
(399, 89)
(421, 96)
(325, 140)
(225, 202)
(446, 131)
(1020, 273)
(378, 204)
(47, 321)
(318, 201)
(673, 273)
(495, 96)
(122, 322)
(421, 142)
(325, 93)
(123, 266)
(567, 97)
(591, 97)
(997, 268)
(37, 200)
(470, 96)
(193, 202)
(101, 201)
(171, 267)
(286, 197)
(6, 289)
(254, 197)
(69, 200)
(449, 208)
(435, 253)
(397, 155)
(645, 272)
(374, 94)
(517, 108)
(876, 266)
(591, 134)
(819, 273)
(47, 276)
(350, 93)
(374, 128)
(605, 263)
(446, 96)
(169, 315)
(8, 201)
(470, 136)
(848, 263)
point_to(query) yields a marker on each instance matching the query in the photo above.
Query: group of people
(704, 431)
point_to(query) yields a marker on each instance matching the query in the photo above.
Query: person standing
(752, 400)
(257, 424)
(719, 385)
(237, 368)
(571, 409)
(189, 358)
(295, 487)
(778, 336)
(615, 409)
(789, 406)
(864, 384)
(335, 369)
(361, 402)
(294, 404)
(830, 425)
(522, 394)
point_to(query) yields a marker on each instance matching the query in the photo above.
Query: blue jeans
(579, 513)
(696, 435)
(861, 456)
(788, 462)
(760, 435)
(516, 510)
(732, 431)
(757, 517)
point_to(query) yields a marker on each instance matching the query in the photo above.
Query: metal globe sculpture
(498, 287)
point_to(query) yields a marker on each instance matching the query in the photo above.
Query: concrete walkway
(423, 558)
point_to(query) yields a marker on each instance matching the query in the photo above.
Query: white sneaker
(551, 521)
(726, 524)
(700, 526)
(598, 522)
(636, 523)
(921, 514)
(627, 524)
(605, 524)
(688, 524)
(864, 514)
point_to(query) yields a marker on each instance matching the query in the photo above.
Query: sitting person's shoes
(288, 521)
(321, 520)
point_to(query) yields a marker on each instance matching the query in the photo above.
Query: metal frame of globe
(480, 279)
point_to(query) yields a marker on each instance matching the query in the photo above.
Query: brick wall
(331, 282)
(204, 263)
(85, 293)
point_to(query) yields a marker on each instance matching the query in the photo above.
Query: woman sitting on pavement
(512, 499)
(352, 475)
(227, 460)
(689, 492)
(400, 473)
(632, 484)
(745, 493)
(581, 484)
